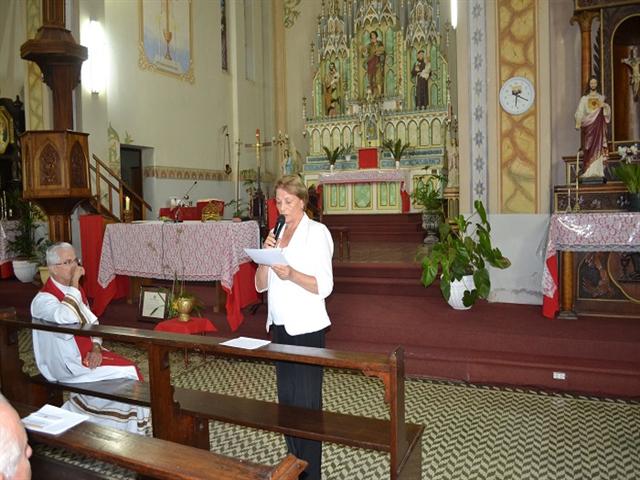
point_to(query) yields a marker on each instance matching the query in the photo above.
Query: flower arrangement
(629, 171)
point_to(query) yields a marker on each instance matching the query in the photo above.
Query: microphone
(277, 229)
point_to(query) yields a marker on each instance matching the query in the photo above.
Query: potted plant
(628, 172)
(396, 149)
(25, 244)
(333, 155)
(461, 256)
(428, 196)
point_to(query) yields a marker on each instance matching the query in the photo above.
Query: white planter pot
(457, 291)
(25, 270)
(331, 167)
(397, 164)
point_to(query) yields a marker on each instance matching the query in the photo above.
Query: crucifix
(258, 201)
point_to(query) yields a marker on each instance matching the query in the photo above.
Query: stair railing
(108, 185)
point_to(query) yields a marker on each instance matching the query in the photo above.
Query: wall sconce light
(97, 61)
(454, 13)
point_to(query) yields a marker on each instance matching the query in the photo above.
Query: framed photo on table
(153, 304)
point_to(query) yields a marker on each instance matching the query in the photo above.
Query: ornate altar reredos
(381, 73)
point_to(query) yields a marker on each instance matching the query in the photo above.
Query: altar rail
(182, 415)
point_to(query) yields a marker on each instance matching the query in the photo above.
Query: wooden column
(585, 20)
(566, 286)
(53, 176)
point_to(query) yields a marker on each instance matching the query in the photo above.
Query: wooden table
(190, 251)
(582, 232)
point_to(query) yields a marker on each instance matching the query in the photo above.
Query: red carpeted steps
(398, 279)
(393, 227)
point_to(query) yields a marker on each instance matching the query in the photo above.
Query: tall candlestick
(126, 203)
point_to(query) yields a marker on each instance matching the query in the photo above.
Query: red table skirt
(91, 235)
(194, 326)
(6, 270)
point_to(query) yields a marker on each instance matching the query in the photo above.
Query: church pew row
(153, 457)
(182, 415)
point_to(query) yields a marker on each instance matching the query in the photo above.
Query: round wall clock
(517, 95)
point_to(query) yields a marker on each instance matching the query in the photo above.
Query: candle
(126, 203)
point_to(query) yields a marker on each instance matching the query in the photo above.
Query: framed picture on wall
(153, 304)
(166, 43)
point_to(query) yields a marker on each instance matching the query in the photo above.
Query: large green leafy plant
(396, 149)
(428, 194)
(25, 244)
(333, 155)
(465, 250)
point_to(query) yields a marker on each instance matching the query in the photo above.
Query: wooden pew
(156, 458)
(181, 415)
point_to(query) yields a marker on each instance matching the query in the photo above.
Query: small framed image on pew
(153, 304)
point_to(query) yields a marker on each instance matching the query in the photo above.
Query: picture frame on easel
(153, 305)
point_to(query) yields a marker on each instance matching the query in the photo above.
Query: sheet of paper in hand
(267, 256)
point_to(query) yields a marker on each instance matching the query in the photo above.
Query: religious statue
(592, 117)
(633, 63)
(421, 72)
(331, 95)
(453, 173)
(375, 64)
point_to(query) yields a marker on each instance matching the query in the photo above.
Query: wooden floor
(378, 303)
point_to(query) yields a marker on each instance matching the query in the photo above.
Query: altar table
(584, 232)
(190, 251)
(365, 191)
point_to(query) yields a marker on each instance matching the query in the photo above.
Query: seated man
(14, 449)
(75, 359)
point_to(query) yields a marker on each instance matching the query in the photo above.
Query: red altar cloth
(191, 213)
(194, 326)
(368, 158)
(91, 231)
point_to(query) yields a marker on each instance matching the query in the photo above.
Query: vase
(397, 164)
(24, 270)
(184, 305)
(458, 288)
(431, 223)
(331, 167)
(634, 202)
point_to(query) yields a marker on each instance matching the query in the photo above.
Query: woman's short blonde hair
(293, 185)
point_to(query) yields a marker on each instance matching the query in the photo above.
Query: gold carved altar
(381, 72)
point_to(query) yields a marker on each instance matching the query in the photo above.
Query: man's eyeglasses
(71, 261)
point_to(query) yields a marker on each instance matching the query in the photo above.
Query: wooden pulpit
(55, 172)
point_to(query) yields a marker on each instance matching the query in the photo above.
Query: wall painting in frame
(166, 43)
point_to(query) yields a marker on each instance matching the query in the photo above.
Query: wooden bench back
(174, 420)
(156, 458)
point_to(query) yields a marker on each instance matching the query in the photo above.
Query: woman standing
(297, 313)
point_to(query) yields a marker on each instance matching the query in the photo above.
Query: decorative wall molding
(35, 106)
(479, 149)
(181, 173)
(291, 12)
(517, 56)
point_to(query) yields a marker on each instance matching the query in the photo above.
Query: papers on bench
(246, 343)
(53, 420)
(267, 256)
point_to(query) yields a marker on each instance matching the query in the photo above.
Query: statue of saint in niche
(375, 64)
(592, 116)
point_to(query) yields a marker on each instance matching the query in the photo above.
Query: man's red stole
(85, 345)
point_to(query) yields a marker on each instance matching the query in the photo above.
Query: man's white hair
(9, 448)
(52, 252)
